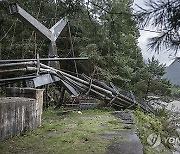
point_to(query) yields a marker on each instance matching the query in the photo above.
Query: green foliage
(163, 16)
(103, 30)
(176, 92)
(113, 37)
(151, 80)
(148, 124)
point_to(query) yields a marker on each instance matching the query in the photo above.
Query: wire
(12, 39)
(148, 30)
(8, 31)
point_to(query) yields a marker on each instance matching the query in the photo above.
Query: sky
(163, 57)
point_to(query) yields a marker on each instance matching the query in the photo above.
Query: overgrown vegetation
(152, 82)
(66, 133)
(81, 132)
(148, 124)
(175, 92)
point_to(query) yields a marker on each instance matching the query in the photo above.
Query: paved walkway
(126, 140)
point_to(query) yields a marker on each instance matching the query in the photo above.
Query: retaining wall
(20, 112)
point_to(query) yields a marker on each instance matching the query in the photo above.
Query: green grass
(65, 133)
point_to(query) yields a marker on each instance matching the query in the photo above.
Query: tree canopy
(164, 17)
(103, 30)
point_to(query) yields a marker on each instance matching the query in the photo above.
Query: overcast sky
(163, 57)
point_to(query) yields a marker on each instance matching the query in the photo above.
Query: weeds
(148, 124)
(65, 133)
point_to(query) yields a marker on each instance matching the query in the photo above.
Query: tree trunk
(148, 87)
(0, 39)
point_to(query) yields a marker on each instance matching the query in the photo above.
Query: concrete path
(126, 140)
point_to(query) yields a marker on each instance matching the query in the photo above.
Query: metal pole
(17, 78)
(28, 69)
(77, 79)
(43, 59)
(17, 64)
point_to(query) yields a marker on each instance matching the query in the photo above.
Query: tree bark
(0, 39)
(148, 87)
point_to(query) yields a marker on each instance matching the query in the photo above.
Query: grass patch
(65, 133)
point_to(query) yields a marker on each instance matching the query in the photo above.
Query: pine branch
(163, 15)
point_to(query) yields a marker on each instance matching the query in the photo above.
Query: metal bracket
(50, 34)
(42, 80)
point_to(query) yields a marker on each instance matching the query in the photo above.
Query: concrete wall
(21, 112)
